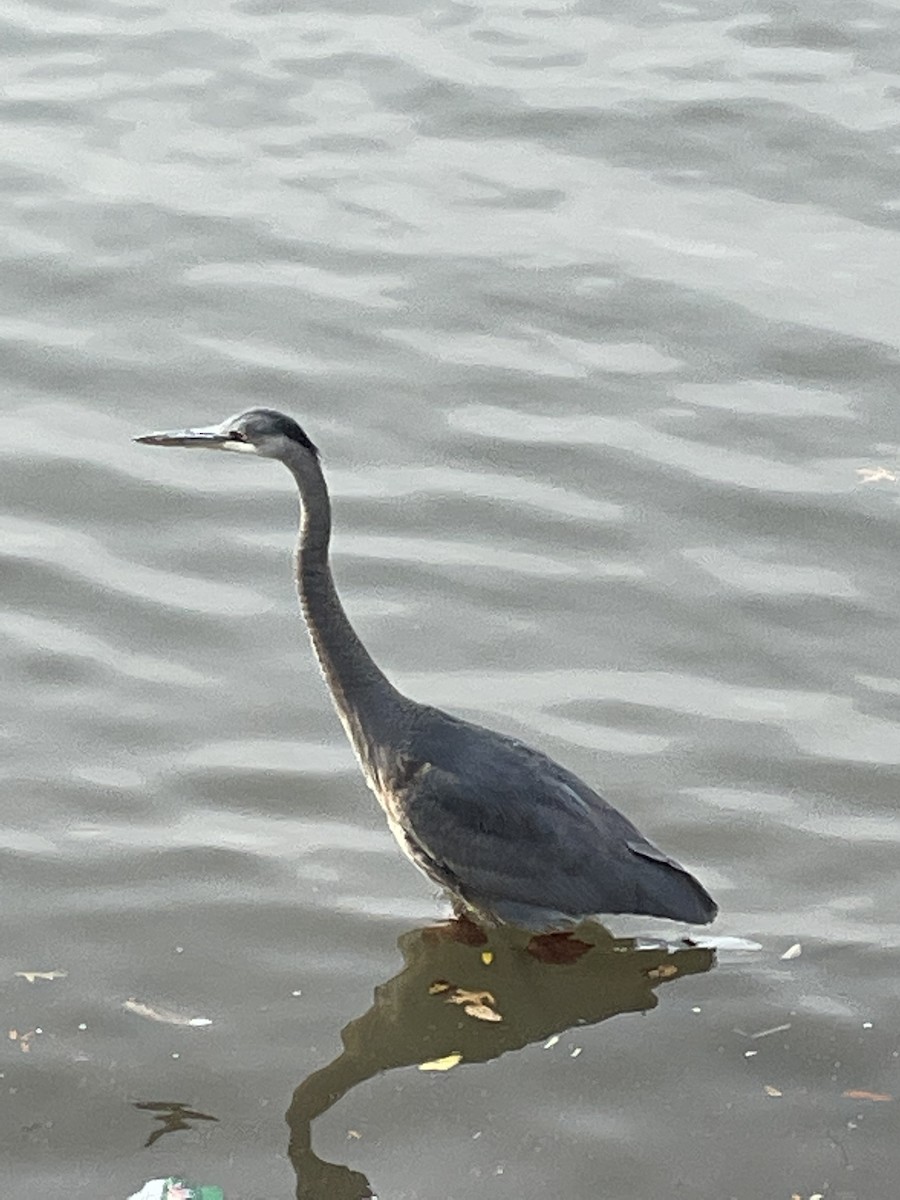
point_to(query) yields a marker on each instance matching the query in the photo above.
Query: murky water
(593, 310)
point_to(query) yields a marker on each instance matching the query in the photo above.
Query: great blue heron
(511, 835)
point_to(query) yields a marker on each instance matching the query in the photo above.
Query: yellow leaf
(487, 957)
(442, 1064)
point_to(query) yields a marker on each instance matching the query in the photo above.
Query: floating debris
(164, 1015)
(666, 971)
(771, 1091)
(551, 1041)
(477, 1004)
(482, 1012)
(442, 1064)
(862, 1094)
(24, 1039)
(462, 996)
(177, 1189)
(762, 1033)
(792, 952)
(768, 1032)
(31, 976)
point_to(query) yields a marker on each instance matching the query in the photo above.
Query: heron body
(513, 837)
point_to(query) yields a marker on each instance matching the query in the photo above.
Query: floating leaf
(665, 971)
(551, 1041)
(442, 1064)
(792, 952)
(862, 1094)
(165, 1015)
(439, 985)
(463, 996)
(487, 957)
(31, 976)
(771, 1091)
(482, 1012)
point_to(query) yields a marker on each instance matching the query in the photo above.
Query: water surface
(592, 310)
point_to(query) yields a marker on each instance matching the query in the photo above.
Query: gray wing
(518, 833)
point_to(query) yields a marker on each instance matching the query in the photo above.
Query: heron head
(258, 431)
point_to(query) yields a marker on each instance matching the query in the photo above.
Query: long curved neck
(364, 698)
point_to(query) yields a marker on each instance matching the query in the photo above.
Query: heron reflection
(459, 1002)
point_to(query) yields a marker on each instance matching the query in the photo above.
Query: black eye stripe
(235, 436)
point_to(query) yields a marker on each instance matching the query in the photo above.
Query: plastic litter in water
(176, 1188)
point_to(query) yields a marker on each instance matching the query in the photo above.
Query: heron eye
(236, 436)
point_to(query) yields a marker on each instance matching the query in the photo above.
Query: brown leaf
(439, 985)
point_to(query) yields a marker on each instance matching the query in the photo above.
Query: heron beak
(212, 438)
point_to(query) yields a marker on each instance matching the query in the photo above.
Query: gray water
(594, 312)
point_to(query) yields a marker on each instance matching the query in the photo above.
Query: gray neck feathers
(364, 698)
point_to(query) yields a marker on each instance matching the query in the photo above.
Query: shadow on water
(440, 1006)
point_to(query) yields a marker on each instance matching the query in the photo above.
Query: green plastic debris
(178, 1188)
